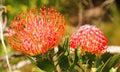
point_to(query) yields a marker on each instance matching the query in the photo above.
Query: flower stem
(3, 43)
(5, 49)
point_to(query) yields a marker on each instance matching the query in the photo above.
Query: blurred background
(105, 14)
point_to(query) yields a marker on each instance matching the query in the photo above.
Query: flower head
(90, 38)
(34, 33)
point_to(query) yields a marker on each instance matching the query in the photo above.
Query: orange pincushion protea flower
(35, 33)
(90, 38)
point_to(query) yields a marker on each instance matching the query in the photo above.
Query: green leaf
(65, 49)
(75, 60)
(33, 59)
(62, 54)
(45, 65)
(102, 59)
(66, 46)
(64, 62)
(60, 50)
(109, 64)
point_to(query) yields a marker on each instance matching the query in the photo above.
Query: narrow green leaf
(60, 50)
(33, 59)
(102, 59)
(66, 47)
(45, 65)
(64, 62)
(75, 60)
(109, 64)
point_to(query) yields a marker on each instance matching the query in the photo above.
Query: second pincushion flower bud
(90, 38)
(34, 33)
